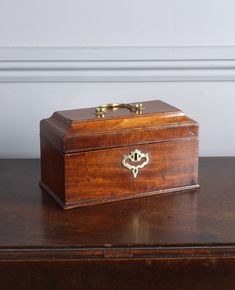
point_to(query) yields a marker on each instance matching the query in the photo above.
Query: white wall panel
(115, 23)
(61, 54)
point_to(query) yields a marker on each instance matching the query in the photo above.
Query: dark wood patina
(82, 154)
(183, 240)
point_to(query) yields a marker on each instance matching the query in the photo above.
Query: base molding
(92, 202)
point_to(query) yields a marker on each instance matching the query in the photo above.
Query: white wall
(116, 22)
(70, 54)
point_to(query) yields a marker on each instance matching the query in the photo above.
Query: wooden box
(117, 151)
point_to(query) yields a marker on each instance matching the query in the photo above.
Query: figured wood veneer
(81, 155)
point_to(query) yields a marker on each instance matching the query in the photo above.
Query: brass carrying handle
(101, 110)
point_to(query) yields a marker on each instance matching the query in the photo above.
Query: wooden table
(176, 241)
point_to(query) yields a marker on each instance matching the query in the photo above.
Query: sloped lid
(104, 127)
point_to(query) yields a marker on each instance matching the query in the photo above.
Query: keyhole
(136, 155)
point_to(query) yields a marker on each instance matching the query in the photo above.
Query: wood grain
(81, 155)
(175, 241)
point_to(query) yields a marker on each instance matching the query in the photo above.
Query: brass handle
(101, 110)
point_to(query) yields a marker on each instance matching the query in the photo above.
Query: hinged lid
(116, 125)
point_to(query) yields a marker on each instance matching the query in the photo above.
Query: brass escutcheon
(135, 156)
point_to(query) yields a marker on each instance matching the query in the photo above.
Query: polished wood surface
(81, 130)
(81, 154)
(102, 178)
(30, 218)
(176, 241)
(149, 108)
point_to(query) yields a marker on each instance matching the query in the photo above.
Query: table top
(31, 222)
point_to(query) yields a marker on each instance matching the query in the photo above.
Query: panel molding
(117, 64)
